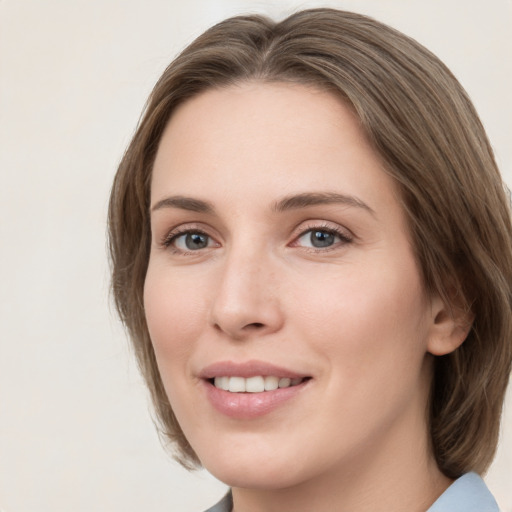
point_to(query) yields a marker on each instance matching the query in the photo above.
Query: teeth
(255, 384)
(236, 384)
(271, 383)
(285, 382)
(222, 383)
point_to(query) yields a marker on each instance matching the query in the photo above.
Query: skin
(353, 315)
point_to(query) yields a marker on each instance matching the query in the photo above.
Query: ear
(449, 328)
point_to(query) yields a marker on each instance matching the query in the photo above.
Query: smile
(256, 384)
(251, 389)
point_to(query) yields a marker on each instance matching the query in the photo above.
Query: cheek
(362, 318)
(370, 332)
(175, 317)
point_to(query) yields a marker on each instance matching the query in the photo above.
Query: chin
(258, 466)
(255, 475)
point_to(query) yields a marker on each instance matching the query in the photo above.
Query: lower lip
(250, 405)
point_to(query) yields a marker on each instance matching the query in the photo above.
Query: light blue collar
(467, 494)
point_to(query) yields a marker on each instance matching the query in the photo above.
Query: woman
(311, 249)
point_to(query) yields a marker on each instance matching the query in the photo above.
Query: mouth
(251, 389)
(255, 384)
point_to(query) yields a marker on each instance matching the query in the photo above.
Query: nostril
(255, 325)
(247, 328)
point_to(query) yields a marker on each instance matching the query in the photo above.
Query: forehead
(266, 137)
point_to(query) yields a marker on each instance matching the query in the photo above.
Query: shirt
(467, 494)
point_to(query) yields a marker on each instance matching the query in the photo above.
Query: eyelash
(171, 238)
(343, 235)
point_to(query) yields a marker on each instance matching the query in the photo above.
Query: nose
(246, 303)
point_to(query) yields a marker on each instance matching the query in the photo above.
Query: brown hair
(421, 122)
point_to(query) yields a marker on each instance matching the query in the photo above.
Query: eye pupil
(321, 239)
(194, 241)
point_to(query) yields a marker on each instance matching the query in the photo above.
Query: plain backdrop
(75, 426)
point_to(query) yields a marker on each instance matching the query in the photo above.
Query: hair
(421, 122)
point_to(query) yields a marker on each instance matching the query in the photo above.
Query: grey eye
(322, 239)
(192, 241)
(318, 239)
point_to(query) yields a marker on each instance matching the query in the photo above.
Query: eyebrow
(184, 203)
(319, 198)
(292, 202)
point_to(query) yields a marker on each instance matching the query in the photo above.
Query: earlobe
(449, 329)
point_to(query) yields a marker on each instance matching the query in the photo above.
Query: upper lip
(247, 369)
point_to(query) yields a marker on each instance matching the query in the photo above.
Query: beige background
(75, 427)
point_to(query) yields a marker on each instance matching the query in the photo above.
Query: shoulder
(467, 494)
(224, 505)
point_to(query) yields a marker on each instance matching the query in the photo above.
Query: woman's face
(280, 257)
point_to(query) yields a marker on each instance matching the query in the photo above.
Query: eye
(322, 238)
(186, 241)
